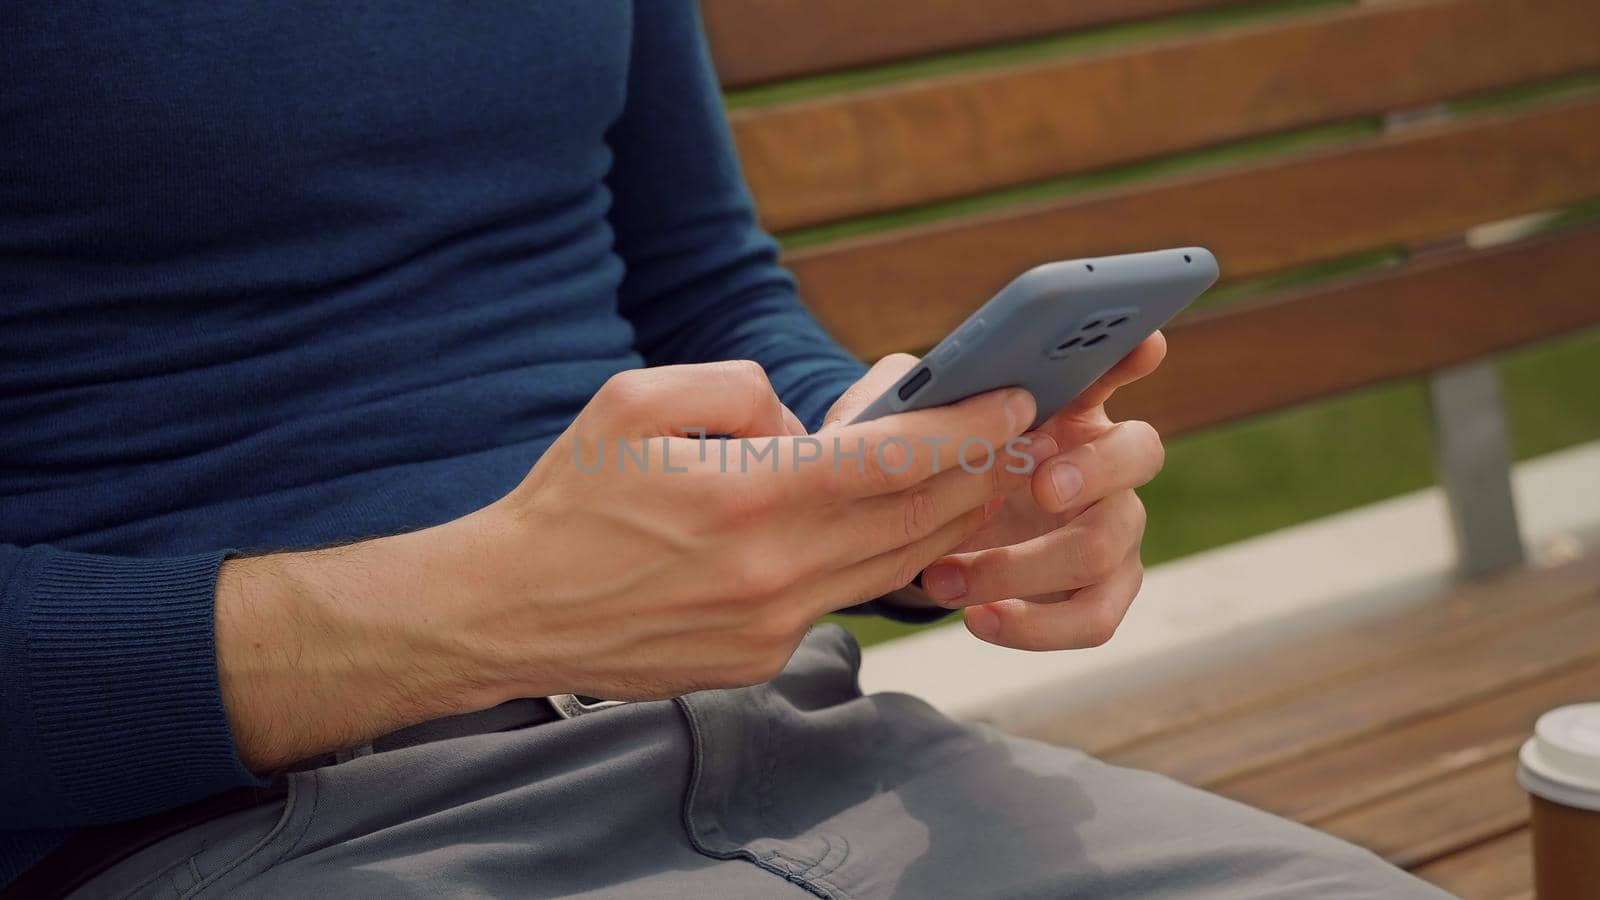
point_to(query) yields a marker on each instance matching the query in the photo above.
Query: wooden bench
(1365, 131)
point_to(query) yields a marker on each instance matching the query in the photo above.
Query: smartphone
(1054, 330)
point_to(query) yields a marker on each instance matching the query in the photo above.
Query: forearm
(703, 282)
(327, 649)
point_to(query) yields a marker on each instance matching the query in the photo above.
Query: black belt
(92, 851)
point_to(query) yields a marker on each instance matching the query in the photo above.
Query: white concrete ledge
(1294, 581)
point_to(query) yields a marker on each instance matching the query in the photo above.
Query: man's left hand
(1058, 565)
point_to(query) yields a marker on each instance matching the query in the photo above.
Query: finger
(895, 452)
(867, 527)
(1127, 455)
(890, 571)
(792, 422)
(1140, 361)
(733, 398)
(1088, 619)
(1085, 551)
(860, 395)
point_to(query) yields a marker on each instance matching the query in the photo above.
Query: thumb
(860, 395)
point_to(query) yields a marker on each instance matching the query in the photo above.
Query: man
(294, 296)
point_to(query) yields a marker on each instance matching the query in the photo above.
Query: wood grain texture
(757, 41)
(1255, 357)
(906, 290)
(1477, 664)
(1398, 760)
(1409, 749)
(1497, 869)
(1439, 818)
(1255, 679)
(891, 147)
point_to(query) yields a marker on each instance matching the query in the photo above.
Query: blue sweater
(279, 274)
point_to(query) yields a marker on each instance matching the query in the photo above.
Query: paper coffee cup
(1560, 769)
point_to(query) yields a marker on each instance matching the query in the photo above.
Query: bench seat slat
(1499, 869)
(1440, 818)
(1269, 674)
(1337, 782)
(1480, 663)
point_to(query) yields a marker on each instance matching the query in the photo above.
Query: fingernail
(1067, 481)
(944, 583)
(1019, 409)
(983, 622)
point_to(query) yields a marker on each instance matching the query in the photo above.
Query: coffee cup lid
(1561, 762)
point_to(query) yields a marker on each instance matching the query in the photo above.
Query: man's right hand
(593, 577)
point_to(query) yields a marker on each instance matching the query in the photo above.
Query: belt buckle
(571, 706)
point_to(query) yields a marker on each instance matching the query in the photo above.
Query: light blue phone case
(1054, 330)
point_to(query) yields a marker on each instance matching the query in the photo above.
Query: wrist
(326, 649)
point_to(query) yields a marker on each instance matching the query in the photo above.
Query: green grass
(1553, 395)
(1253, 477)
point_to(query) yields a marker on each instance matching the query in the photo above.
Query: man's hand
(632, 562)
(1058, 566)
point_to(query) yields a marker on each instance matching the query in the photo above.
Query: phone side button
(946, 350)
(922, 377)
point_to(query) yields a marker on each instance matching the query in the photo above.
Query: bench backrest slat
(1431, 315)
(763, 40)
(892, 147)
(904, 290)
(1402, 167)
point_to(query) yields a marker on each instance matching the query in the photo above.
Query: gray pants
(796, 789)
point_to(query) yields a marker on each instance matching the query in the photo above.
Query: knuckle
(908, 564)
(832, 480)
(1026, 634)
(1138, 515)
(738, 500)
(999, 478)
(920, 514)
(1149, 442)
(748, 375)
(755, 574)
(1098, 554)
(1101, 625)
(625, 392)
(888, 464)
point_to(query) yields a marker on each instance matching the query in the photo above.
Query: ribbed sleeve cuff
(122, 670)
